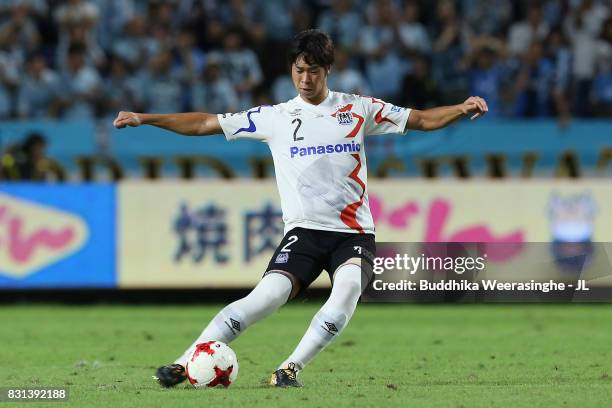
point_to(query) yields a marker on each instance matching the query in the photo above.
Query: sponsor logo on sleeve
(252, 128)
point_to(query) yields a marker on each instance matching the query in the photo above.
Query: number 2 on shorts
(292, 239)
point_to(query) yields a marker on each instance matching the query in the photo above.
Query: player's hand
(474, 105)
(126, 119)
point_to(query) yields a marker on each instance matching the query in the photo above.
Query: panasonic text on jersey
(325, 149)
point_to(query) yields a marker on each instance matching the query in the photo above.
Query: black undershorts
(305, 253)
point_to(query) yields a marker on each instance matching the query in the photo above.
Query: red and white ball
(212, 363)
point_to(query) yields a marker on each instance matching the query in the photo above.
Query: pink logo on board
(438, 215)
(33, 236)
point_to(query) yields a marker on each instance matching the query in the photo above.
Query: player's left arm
(436, 118)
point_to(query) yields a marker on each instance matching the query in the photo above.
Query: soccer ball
(212, 363)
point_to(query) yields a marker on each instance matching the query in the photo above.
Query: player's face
(309, 80)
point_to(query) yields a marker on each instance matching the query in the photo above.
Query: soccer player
(317, 144)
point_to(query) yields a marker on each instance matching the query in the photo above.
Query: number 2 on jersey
(299, 123)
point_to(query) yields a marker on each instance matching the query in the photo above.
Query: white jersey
(319, 155)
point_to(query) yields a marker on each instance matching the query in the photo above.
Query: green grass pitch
(390, 355)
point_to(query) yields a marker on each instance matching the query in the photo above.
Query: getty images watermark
(412, 264)
(458, 265)
(407, 272)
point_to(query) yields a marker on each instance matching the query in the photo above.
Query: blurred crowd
(91, 58)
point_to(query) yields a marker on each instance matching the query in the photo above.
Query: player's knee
(274, 297)
(278, 294)
(352, 288)
(345, 294)
(348, 276)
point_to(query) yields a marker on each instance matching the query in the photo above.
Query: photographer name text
(484, 284)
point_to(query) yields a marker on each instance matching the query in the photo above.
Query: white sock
(270, 293)
(331, 319)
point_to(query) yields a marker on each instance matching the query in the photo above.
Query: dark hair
(33, 139)
(315, 46)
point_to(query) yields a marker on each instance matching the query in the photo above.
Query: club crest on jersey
(345, 118)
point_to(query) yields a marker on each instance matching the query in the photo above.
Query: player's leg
(270, 293)
(329, 321)
(276, 287)
(349, 280)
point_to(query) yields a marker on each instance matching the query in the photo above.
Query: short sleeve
(255, 123)
(383, 117)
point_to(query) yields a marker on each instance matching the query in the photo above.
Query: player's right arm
(190, 124)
